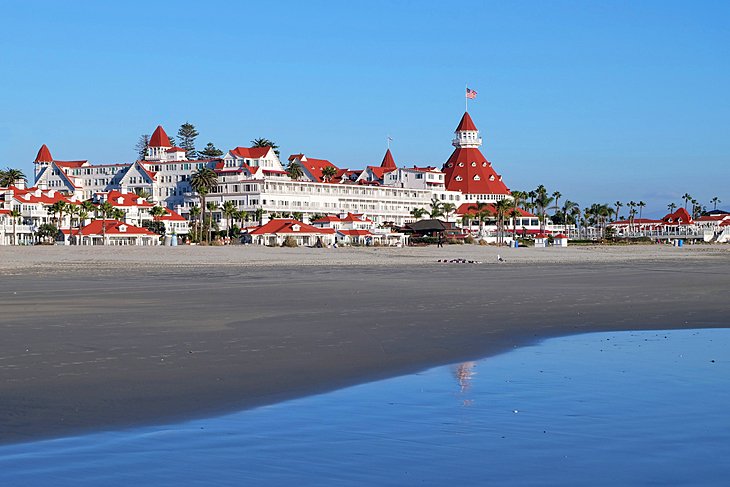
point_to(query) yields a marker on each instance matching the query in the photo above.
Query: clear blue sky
(600, 100)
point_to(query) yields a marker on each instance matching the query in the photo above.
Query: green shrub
(289, 242)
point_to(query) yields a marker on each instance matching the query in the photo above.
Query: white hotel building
(254, 178)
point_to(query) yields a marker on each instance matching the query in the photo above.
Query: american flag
(471, 94)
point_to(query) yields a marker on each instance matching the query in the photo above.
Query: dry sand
(94, 338)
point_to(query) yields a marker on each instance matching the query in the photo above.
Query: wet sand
(139, 337)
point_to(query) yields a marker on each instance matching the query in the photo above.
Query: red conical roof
(388, 161)
(44, 155)
(466, 123)
(159, 138)
(468, 171)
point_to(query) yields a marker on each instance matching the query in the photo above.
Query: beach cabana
(560, 240)
(541, 240)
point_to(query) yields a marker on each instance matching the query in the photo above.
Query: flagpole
(466, 99)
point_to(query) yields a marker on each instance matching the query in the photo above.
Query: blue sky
(600, 100)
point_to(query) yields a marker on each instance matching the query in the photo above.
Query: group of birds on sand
(465, 261)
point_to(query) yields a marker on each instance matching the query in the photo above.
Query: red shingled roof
(113, 227)
(171, 216)
(468, 171)
(128, 199)
(159, 138)
(388, 161)
(44, 154)
(355, 233)
(286, 225)
(28, 195)
(70, 163)
(250, 152)
(681, 216)
(175, 149)
(315, 166)
(466, 123)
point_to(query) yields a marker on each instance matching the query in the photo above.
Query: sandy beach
(97, 338)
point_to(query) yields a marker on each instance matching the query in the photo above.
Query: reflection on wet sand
(464, 374)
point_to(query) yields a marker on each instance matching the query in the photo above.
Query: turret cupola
(158, 145)
(42, 160)
(467, 135)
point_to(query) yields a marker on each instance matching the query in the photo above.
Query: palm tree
(14, 215)
(72, 210)
(259, 215)
(568, 207)
(557, 195)
(328, 172)
(119, 214)
(542, 201)
(157, 212)
(83, 216)
(418, 213)
(448, 209)
(242, 216)
(212, 207)
(671, 207)
(294, 171)
(59, 207)
(262, 142)
(230, 211)
(436, 209)
(106, 210)
(631, 205)
(144, 194)
(203, 181)
(502, 207)
(714, 201)
(8, 176)
(618, 206)
(517, 196)
(641, 206)
(194, 214)
(482, 212)
(687, 197)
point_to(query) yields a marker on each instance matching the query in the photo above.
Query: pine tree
(210, 151)
(142, 144)
(187, 134)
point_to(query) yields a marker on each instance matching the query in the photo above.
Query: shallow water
(631, 408)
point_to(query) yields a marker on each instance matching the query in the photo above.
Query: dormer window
(476, 177)
(484, 164)
(491, 178)
(473, 164)
(451, 164)
(461, 164)
(458, 178)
